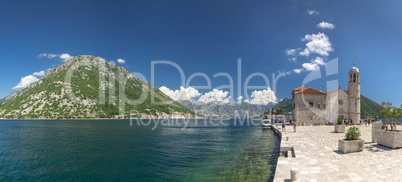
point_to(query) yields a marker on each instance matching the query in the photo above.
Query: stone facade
(311, 106)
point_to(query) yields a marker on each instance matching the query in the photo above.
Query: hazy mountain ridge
(50, 96)
(230, 109)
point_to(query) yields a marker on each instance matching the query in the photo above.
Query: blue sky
(209, 37)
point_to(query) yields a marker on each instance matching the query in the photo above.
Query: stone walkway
(318, 159)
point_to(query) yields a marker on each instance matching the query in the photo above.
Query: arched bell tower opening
(354, 94)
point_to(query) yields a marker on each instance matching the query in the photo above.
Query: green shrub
(340, 120)
(353, 133)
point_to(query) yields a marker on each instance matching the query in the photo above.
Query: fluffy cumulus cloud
(326, 25)
(182, 94)
(262, 97)
(39, 73)
(64, 57)
(28, 80)
(317, 43)
(318, 61)
(310, 66)
(216, 96)
(121, 61)
(297, 70)
(290, 52)
(305, 52)
(313, 12)
(313, 65)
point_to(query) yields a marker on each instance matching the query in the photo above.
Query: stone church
(311, 106)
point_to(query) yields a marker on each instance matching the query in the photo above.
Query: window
(318, 106)
(324, 106)
(294, 106)
(311, 104)
(340, 102)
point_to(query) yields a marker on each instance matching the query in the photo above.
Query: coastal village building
(311, 106)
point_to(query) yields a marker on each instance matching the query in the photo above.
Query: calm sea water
(112, 150)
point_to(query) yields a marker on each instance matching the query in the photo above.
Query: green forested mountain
(98, 89)
(369, 108)
(285, 105)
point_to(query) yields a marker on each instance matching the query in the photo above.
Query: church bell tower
(354, 94)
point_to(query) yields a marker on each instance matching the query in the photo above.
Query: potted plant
(339, 126)
(352, 141)
(390, 137)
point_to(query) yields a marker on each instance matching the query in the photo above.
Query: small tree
(391, 113)
(340, 120)
(353, 133)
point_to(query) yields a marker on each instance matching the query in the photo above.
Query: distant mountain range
(50, 97)
(369, 108)
(285, 104)
(232, 110)
(9, 97)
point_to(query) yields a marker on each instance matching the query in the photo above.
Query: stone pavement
(318, 159)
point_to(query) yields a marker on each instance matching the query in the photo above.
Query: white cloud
(42, 55)
(305, 52)
(182, 94)
(293, 59)
(313, 12)
(121, 61)
(326, 25)
(317, 43)
(262, 97)
(64, 57)
(297, 70)
(51, 56)
(318, 61)
(310, 66)
(26, 81)
(190, 93)
(239, 99)
(217, 96)
(40, 73)
(290, 52)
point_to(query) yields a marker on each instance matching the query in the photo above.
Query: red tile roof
(307, 90)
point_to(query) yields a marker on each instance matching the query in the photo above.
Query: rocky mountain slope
(9, 97)
(90, 87)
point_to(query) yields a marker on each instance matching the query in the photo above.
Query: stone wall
(304, 113)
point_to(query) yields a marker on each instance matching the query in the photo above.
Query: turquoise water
(112, 150)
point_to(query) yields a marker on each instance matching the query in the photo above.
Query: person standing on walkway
(283, 126)
(294, 125)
